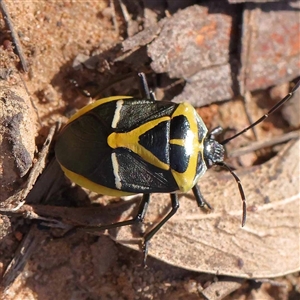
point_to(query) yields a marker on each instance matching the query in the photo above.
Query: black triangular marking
(156, 140)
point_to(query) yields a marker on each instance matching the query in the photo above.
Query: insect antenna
(242, 193)
(222, 164)
(274, 108)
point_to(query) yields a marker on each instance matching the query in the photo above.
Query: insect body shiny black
(125, 146)
(121, 146)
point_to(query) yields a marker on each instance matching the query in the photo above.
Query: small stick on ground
(14, 35)
(266, 143)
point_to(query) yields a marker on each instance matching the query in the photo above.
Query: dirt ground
(58, 38)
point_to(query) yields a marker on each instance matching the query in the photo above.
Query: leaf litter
(215, 242)
(47, 276)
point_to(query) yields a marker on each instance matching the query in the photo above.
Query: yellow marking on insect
(117, 114)
(91, 106)
(92, 186)
(192, 145)
(187, 142)
(179, 142)
(130, 140)
(115, 166)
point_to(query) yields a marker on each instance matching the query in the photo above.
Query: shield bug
(122, 146)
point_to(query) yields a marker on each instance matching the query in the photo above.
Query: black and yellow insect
(121, 146)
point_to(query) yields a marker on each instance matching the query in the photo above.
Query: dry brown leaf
(220, 289)
(215, 242)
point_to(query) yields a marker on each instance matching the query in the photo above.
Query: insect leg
(152, 96)
(215, 132)
(199, 197)
(145, 88)
(137, 219)
(151, 233)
